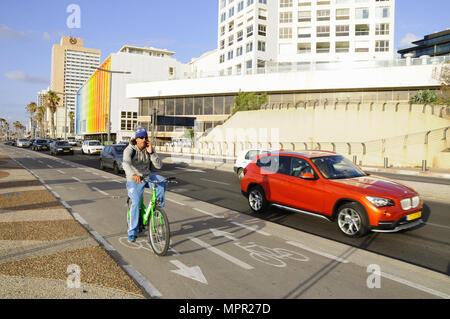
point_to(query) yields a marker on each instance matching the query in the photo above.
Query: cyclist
(138, 159)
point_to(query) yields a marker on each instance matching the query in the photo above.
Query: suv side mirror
(307, 176)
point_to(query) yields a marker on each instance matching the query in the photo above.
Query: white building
(144, 64)
(258, 33)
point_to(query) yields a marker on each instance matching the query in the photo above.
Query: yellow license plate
(66, 151)
(414, 216)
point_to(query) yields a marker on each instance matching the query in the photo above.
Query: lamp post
(108, 125)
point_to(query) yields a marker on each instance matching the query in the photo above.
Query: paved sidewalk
(45, 252)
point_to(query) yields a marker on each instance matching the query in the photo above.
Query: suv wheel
(352, 220)
(257, 199)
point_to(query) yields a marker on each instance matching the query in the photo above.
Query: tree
(424, 97)
(52, 101)
(32, 108)
(248, 101)
(3, 125)
(40, 119)
(72, 122)
(444, 77)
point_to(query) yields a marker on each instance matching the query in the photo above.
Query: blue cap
(141, 132)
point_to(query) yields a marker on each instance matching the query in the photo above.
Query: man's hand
(149, 148)
(136, 178)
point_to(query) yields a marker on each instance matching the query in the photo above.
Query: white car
(72, 141)
(92, 147)
(23, 142)
(244, 158)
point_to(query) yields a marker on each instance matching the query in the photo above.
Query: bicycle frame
(146, 212)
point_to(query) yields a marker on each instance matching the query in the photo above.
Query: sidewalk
(44, 251)
(226, 164)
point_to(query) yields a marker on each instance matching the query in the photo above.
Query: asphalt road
(426, 246)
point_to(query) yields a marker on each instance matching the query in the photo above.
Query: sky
(29, 29)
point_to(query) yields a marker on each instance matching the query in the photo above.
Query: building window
(382, 13)
(285, 17)
(362, 13)
(239, 51)
(222, 30)
(238, 69)
(222, 58)
(263, 1)
(222, 44)
(303, 48)
(249, 64)
(304, 16)
(382, 46)
(231, 26)
(262, 46)
(261, 30)
(304, 32)
(323, 31)
(303, 3)
(249, 2)
(249, 31)
(342, 14)
(285, 3)
(240, 6)
(223, 17)
(323, 15)
(262, 14)
(382, 29)
(285, 33)
(249, 47)
(230, 40)
(342, 30)
(362, 46)
(230, 55)
(362, 29)
(231, 12)
(323, 47)
(342, 47)
(240, 35)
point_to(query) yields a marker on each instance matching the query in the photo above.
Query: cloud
(22, 77)
(8, 33)
(408, 39)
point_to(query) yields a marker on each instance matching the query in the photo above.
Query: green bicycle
(155, 218)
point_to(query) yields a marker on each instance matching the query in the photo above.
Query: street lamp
(108, 126)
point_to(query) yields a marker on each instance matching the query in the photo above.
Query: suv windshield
(41, 142)
(94, 143)
(119, 148)
(337, 167)
(62, 143)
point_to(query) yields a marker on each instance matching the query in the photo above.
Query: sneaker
(131, 239)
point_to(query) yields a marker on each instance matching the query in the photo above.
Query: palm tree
(40, 119)
(17, 125)
(32, 108)
(72, 122)
(52, 101)
(3, 124)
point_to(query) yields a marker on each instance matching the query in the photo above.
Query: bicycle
(155, 217)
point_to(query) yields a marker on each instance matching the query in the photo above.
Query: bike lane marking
(317, 252)
(253, 229)
(100, 191)
(221, 254)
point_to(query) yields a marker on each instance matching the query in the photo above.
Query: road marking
(41, 162)
(59, 171)
(194, 272)
(149, 288)
(102, 240)
(77, 179)
(435, 225)
(174, 201)
(207, 213)
(100, 191)
(220, 233)
(254, 229)
(416, 286)
(296, 244)
(49, 166)
(190, 169)
(209, 180)
(222, 254)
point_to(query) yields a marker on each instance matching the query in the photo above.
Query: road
(220, 250)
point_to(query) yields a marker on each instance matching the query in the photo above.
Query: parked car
(60, 147)
(326, 184)
(40, 145)
(22, 142)
(72, 141)
(244, 158)
(91, 147)
(112, 157)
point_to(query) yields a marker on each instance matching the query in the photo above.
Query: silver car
(23, 142)
(112, 157)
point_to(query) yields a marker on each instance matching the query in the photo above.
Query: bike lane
(218, 253)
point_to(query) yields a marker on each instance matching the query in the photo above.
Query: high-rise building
(72, 65)
(254, 34)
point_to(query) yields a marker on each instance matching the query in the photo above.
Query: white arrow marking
(220, 233)
(194, 272)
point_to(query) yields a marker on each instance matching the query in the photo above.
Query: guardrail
(406, 150)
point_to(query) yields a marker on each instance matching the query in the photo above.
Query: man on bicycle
(138, 158)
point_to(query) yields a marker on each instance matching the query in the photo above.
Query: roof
(308, 154)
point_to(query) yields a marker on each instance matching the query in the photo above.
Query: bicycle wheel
(159, 233)
(128, 212)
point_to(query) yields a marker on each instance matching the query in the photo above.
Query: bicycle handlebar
(168, 179)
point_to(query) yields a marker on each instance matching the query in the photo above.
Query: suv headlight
(380, 201)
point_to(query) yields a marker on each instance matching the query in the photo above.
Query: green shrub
(424, 97)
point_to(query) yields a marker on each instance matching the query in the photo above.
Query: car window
(337, 167)
(300, 166)
(269, 162)
(119, 149)
(94, 143)
(62, 143)
(284, 165)
(251, 155)
(106, 149)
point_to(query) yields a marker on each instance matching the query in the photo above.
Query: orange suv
(327, 185)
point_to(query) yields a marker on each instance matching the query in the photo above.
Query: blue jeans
(135, 192)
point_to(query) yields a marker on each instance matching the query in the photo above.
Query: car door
(106, 155)
(302, 193)
(274, 170)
